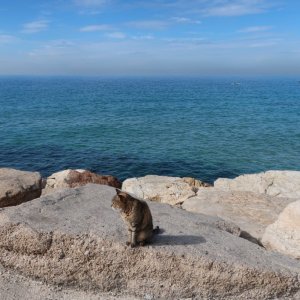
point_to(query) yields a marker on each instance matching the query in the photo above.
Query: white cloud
(210, 7)
(255, 29)
(235, 8)
(149, 24)
(99, 27)
(90, 3)
(143, 37)
(116, 35)
(183, 20)
(36, 26)
(187, 42)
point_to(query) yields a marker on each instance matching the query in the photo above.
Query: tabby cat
(137, 216)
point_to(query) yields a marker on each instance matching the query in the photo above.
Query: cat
(137, 216)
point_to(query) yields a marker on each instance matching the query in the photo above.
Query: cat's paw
(128, 243)
(132, 245)
(142, 243)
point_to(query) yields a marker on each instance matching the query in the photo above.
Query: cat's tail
(157, 230)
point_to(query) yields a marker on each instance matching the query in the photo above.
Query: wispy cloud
(184, 20)
(6, 39)
(90, 7)
(53, 48)
(36, 26)
(143, 37)
(116, 35)
(149, 24)
(208, 7)
(255, 29)
(187, 41)
(246, 43)
(266, 43)
(90, 3)
(99, 27)
(228, 8)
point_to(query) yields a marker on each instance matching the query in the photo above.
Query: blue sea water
(204, 128)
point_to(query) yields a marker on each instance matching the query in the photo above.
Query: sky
(156, 37)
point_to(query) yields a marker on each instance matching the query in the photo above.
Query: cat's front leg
(133, 237)
(129, 237)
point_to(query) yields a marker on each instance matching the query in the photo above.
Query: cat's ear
(118, 191)
(121, 194)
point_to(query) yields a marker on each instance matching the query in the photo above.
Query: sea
(128, 127)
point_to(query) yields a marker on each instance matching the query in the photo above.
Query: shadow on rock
(161, 240)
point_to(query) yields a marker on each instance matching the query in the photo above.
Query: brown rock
(75, 178)
(18, 186)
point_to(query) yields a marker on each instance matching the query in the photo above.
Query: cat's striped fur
(137, 216)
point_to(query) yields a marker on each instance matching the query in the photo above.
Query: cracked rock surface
(73, 238)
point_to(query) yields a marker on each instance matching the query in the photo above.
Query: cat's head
(120, 201)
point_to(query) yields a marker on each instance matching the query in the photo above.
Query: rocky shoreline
(236, 239)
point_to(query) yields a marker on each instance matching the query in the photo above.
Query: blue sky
(158, 37)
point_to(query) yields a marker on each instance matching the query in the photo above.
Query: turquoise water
(205, 128)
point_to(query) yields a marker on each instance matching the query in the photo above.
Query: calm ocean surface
(204, 128)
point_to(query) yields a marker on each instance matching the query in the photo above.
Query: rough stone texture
(284, 234)
(251, 212)
(18, 186)
(274, 183)
(14, 287)
(171, 190)
(75, 178)
(74, 238)
(195, 182)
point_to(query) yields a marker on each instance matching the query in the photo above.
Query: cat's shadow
(166, 239)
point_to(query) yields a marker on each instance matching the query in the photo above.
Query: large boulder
(274, 183)
(284, 234)
(171, 190)
(74, 178)
(73, 237)
(251, 212)
(18, 186)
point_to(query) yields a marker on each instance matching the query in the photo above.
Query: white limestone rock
(284, 234)
(171, 190)
(274, 183)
